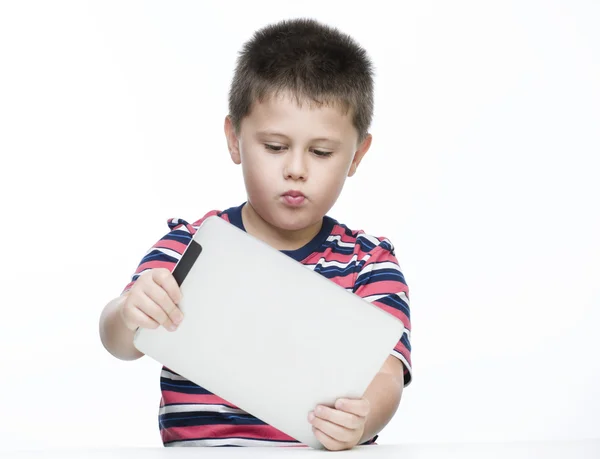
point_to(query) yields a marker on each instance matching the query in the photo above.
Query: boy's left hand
(341, 427)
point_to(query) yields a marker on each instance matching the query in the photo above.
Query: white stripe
(377, 266)
(198, 407)
(234, 442)
(169, 252)
(169, 375)
(404, 298)
(339, 264)
(372, 239)
(141, 272)
(372, 298)
(339, 241)
(181, 222)
(367, 257)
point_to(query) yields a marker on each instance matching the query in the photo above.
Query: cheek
(256, 172)
(328, 183)
(334, 175)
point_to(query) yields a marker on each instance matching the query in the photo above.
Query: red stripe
(402, 350)
(219, 431)
(344, 281)
(209, 214)
(178, 226)
(156, 264)
(177, 246)
(340, 231)
(385, 287)
(172, 397)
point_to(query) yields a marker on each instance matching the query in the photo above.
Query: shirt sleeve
(167, 251)
(381, 282)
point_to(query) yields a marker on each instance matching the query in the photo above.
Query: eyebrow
(277, 134)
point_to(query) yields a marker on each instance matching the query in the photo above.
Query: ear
(232, 141)
(360, 153)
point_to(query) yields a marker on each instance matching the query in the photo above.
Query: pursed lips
(294, 197)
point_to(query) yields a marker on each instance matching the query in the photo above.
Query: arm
(115, 336)
(384, 394)
(353, 421)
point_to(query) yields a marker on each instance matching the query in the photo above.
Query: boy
(300, 104)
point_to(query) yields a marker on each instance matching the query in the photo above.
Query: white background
(484, 173)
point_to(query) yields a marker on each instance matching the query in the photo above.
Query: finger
(162, 299)
(153, 310)
(359, 407)
(165, 279)
(335, 431)
(330, 443)
(138, 318)
(341, 418)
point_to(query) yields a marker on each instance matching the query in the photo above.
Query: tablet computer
(265, 333)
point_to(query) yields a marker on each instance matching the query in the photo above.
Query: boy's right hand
(152, 301)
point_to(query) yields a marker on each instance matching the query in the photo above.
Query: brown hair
(313, 61)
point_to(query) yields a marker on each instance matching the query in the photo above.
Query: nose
(295, 166)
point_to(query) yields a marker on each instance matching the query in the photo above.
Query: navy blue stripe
(385, 245)
(365, 244)
(394, 301)
(178, 235)
(178, 382)
(333, 271)
(182, 387)
(177, 222)
(404, 340)
(378, 275)
(331, 245)
(198, 418)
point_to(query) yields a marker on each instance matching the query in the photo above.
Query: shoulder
(182, 226)
(361, 241)
(167, 251)
(181, 233)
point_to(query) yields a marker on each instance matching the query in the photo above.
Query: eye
(279, 148)
(273, 147)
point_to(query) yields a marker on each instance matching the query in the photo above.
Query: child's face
(315, 151)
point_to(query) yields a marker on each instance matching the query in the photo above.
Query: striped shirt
(189, 415)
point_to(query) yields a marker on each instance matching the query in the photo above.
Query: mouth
(293, 197)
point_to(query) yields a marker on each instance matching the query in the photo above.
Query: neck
(277, 238)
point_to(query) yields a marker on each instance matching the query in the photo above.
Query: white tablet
(265, 333)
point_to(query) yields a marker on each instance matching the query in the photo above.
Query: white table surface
(586, 449)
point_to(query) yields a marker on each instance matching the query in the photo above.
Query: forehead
(294, 116)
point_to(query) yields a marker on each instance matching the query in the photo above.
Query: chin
(291, 220)
(289, 224)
